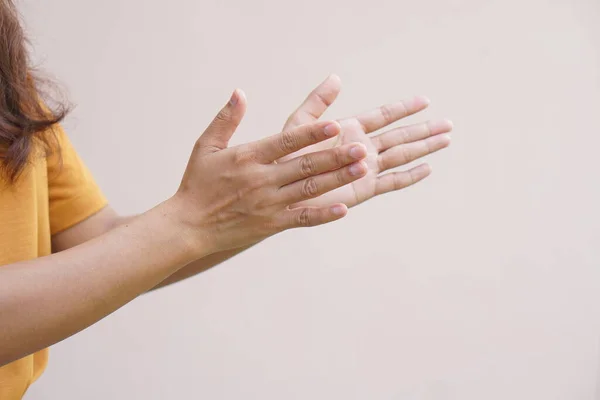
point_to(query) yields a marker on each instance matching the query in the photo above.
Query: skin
(229, 199)
(387, 150)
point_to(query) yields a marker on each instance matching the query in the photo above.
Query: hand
(233, 197)
(388, 150)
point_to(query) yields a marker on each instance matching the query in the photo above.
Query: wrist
(195, 242)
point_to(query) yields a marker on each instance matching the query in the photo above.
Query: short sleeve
(72, 191)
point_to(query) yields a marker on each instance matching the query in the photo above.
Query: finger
(390, 113)
(400, 180)
(277, 146)
(317, 185)
(405, 153)
(320, 162)
(316, 103)
(217, 135)
(312, 216)
(411, 133)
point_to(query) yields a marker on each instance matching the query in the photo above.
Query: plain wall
(483, 282)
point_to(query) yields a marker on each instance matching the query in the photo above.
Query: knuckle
(294, 120)
(313, 134)
(428, 145)
(402, 180)
(397, 182)
(341, 178)
(405, 109)
(428, 130)
(405, 135)
(245, 156)
(202, 146)
(223, 116)
(339, 158)
(288, 142)
(382, 163)
(323, 99)
(304, 217)
(273, 226)
(267, 178)
(412, 179)
(263, 203)
(308, 166)
(310, 188)
(255, 181)
(407, 155)
(387, 114)
(198, 145)
(257, 178)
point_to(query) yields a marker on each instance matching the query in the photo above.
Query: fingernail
(331, 130)
(338, 210)
(357, 169)
(333, 76)
(234, 98)
(424, 99)
(357, 152)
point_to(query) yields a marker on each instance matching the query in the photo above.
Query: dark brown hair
(25, 114)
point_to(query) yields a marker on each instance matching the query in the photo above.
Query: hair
(25, 114)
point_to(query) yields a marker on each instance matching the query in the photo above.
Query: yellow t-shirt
(53, 194)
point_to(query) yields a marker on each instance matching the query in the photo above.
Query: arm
(390, 149)
(311, 109)
(107, 219)
(45, 300)
(228, 198)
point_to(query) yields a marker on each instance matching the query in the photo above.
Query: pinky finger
(400, 180)
(313, 216)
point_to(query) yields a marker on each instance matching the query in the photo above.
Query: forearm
(198, 266)
(193, 268)
(46, 300)
(107, 220)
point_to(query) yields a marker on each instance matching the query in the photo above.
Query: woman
(68, 260)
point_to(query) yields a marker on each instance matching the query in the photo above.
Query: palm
(385, 151)
(362, 189)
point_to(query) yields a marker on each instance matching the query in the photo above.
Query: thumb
(221, 129)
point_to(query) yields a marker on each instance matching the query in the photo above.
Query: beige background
(481, 283)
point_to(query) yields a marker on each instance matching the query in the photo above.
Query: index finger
(284, 143)
(316, 103)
